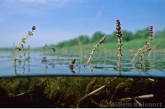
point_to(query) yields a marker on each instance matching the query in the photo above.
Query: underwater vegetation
(79, 91)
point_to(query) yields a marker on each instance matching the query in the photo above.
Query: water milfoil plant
(118, 31)
(62, 91)
(81, 54)
(146, 48)
(80, 49)
(71, 65)
(23, 41)
(95, 47)
(56, 53)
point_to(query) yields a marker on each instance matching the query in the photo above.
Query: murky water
(102, 64)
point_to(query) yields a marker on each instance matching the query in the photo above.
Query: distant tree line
(126, 36)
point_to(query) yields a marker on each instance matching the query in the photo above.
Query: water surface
(102, 64)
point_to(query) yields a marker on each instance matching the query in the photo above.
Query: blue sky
(59, 20)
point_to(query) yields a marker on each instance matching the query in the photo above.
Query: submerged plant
(80, 92)
(23, 41)
(95, 47)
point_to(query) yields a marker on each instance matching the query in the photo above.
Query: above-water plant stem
(118, 31)
(95, 47)
(145, 48)
(23, 41)
(56, 53)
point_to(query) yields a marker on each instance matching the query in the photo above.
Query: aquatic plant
(145, 49)
(80, 48)
(81, 54)
(118, 31)
(154, 46)
(46, 50)
(23, 41)
(77, 91)
(72, 62)
(95, 47)
(56, 53)
(142, 51)
(28, 52)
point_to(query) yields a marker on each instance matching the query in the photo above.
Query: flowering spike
(33, 28)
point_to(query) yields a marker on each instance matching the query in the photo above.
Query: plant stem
(95, 47)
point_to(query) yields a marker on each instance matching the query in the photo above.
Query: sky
(61, 20)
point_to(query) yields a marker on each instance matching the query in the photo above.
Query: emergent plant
(23, 41)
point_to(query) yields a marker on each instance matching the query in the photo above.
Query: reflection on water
(39, 64)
